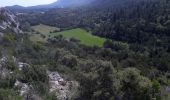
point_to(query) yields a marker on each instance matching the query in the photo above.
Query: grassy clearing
(85, 37)
(82, 35)
(43, 30)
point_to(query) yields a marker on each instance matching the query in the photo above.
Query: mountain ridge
(56, 4)
(74, 4)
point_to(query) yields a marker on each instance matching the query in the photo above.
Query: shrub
(156, 88)
(116, 45)
(8, 94)
(34, 74)
(43, 36)
(38, 46)
(9, 38)
(69, 60)
(37, 33)
(11, 66)
(135, 86)
(74, 40)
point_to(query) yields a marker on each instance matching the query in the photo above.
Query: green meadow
(85, 37)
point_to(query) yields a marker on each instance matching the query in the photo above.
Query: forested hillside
(132, 64)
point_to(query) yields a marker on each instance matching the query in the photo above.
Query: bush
(156, 88)
(69, 61)
(11, 66)
(9, 38)
(37, 47)
(59, 37)
(116, 45)
(135, 86)
(34, 74)
(43, 36)
(7, 83)
(8, 94)
(74, 40)
(37, 33)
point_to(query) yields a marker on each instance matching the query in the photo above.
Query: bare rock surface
(8, 22)
(63, 89)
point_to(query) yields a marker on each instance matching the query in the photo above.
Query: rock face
(4, 72)
(24, 88)
(63, 89)
(8, 22)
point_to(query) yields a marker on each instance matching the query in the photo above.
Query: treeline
(143, 24)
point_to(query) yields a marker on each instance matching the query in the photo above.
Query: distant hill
(57, 4)
(62, 4)
(15, 7)
(74, 3)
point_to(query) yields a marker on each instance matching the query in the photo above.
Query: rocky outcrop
(4, 72)
(22, 65)
(8, 22)
(24, 88)
(63, 89)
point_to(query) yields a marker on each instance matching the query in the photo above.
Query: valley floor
(43, 32)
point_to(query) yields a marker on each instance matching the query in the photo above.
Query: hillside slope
(8, 22)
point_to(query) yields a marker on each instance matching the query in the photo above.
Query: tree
(135, 86)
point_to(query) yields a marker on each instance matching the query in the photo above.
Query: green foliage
(11, 66)
(38, 47)
(51, 97)
(43, 89)
(7, 83)
(106, 83)
(133, 64)
(82, 35)
(135, 86)
(156, 88)
(69, 60)
(44, 29)
(43, 36)
(9, 94)
(9, 38)
(79, 34)
(59, 37)
(74, 40)
(116, 45)
(34, 74)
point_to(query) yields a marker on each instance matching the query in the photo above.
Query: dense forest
(143, 24)
(133, 64)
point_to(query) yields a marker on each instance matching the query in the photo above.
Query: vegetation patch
(80, 34)
(43, 32)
